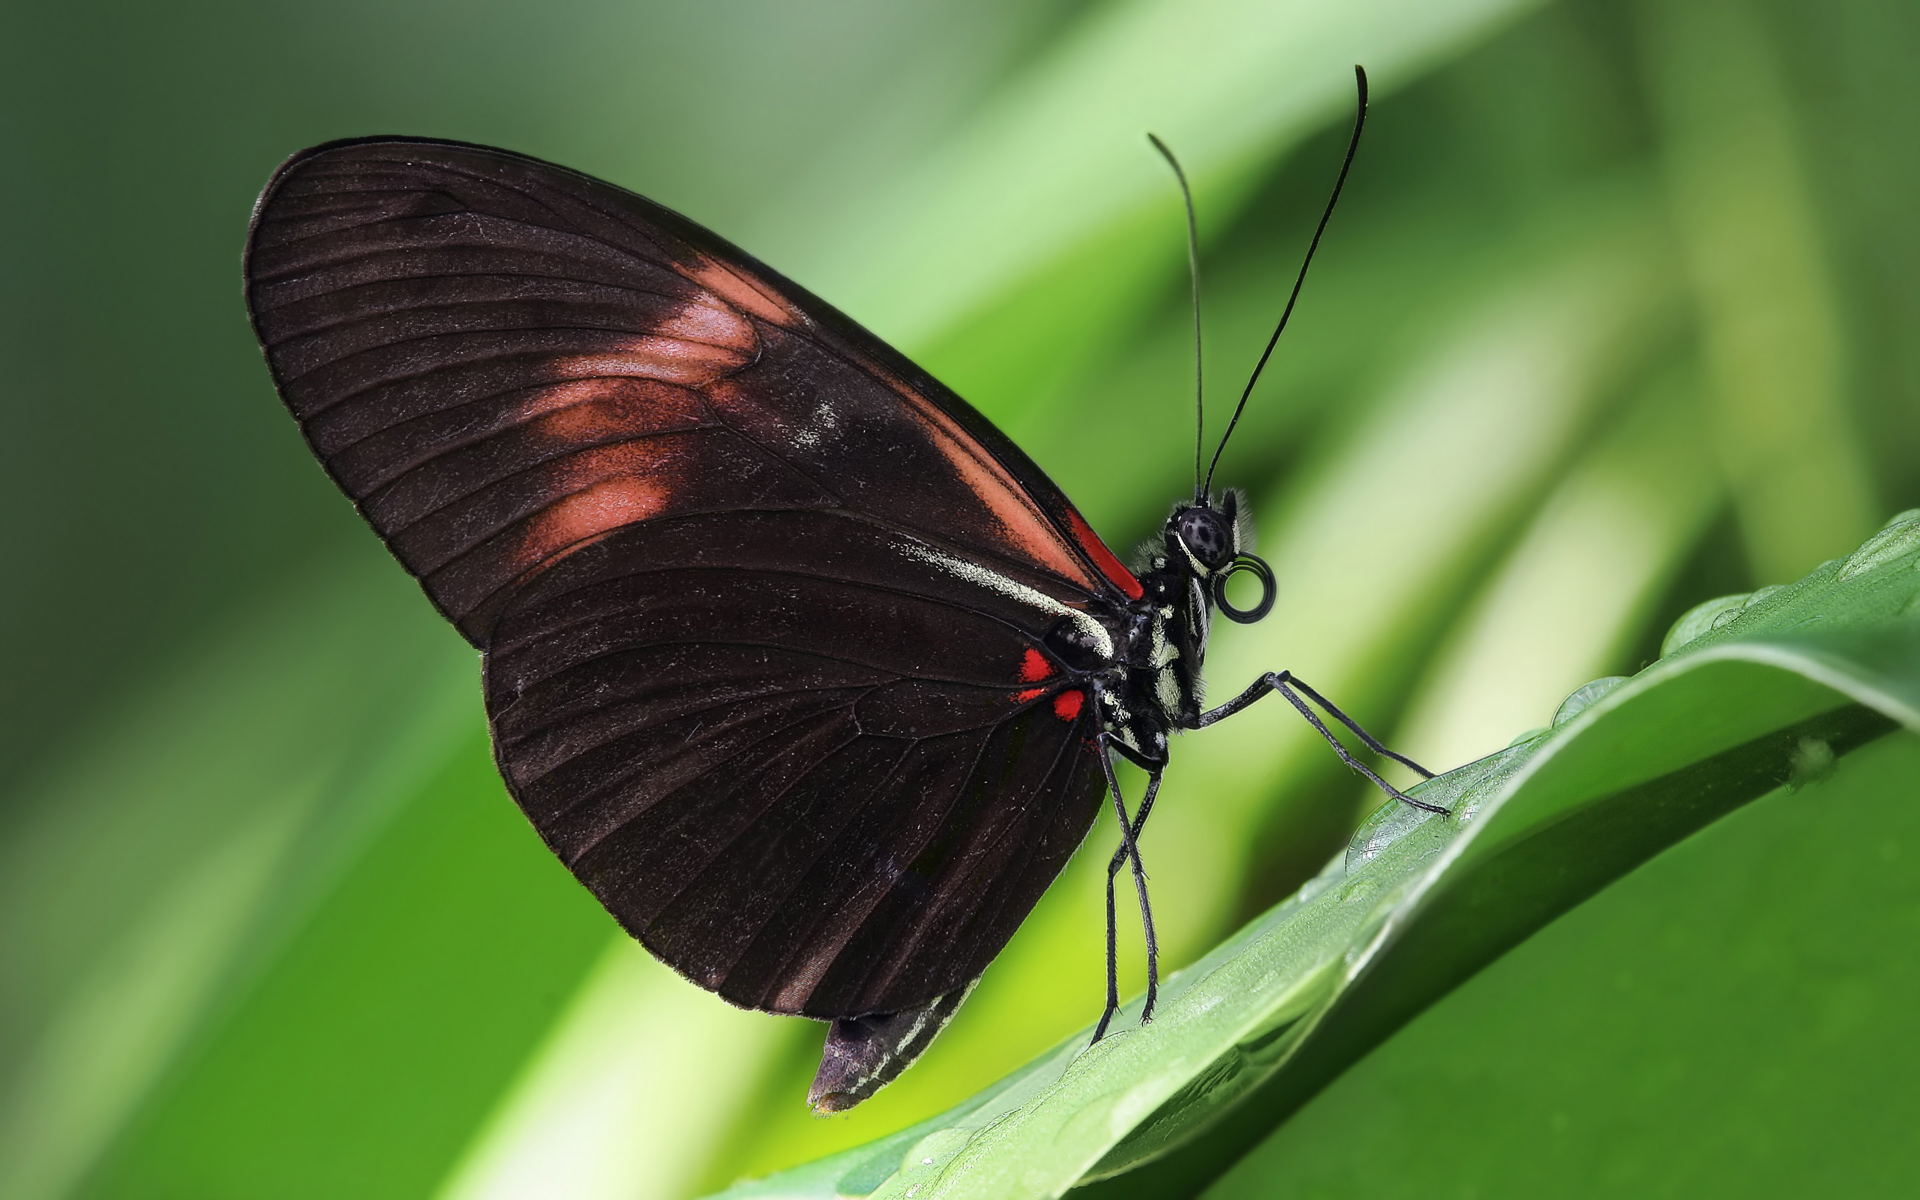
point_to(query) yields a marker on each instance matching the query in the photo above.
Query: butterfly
(801, 666)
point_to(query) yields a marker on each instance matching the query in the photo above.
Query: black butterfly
(808, 672)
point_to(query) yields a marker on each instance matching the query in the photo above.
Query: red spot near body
(1029, 694)
(1066, 705)
(1103, 557)
(1034, 666)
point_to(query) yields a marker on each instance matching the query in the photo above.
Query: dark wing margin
(501, 360)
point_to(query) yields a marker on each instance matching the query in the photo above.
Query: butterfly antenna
(1193, 275)
(1359, 122)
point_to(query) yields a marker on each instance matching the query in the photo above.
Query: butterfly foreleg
(1287, 685)
(1129, 851)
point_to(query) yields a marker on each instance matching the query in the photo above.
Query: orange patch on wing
(983, 475)
(713, 324)
(564, 395)
(1066, 705)
(596, 410)
(1034, 666)
(741, 291)
(584, 423)
(1029, 694)
(604, 506)
(660, 459)
(668, 359)
(1103, 557)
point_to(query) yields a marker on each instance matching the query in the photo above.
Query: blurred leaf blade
(1772, 337)
(316, 1085)
(630, 1096)
(207, 817)
(1060, 152)
(1577, 583)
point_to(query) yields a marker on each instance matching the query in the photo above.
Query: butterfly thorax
(1155, 688)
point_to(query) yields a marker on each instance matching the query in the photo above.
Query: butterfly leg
(1372, 742)
(1284, 683)
(1113, 962)
(1119, 859)
(1129, 851)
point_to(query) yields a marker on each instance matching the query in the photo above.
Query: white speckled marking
(994, 581)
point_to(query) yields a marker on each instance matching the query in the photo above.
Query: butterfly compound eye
(1208, 536)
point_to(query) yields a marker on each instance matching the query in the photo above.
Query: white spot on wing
(823, 424)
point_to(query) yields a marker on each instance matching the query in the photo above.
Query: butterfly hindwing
(802, 766)
(765, 609)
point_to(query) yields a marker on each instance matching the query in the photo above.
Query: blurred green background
(1618, 314)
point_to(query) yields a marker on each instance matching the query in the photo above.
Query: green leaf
(1057, 156)
(161, 867)
(315, 1083)
(1801, 675)
(283, 914)
(1724, 1021)
(1771, 330)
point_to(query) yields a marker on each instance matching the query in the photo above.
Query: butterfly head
(1211, 539)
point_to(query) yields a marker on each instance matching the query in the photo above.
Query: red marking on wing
(1103, 557)
(1034, 666)
(1029, 694)
(1066, 705)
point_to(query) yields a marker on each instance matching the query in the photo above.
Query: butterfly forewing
(765, 608)
(499, 359)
